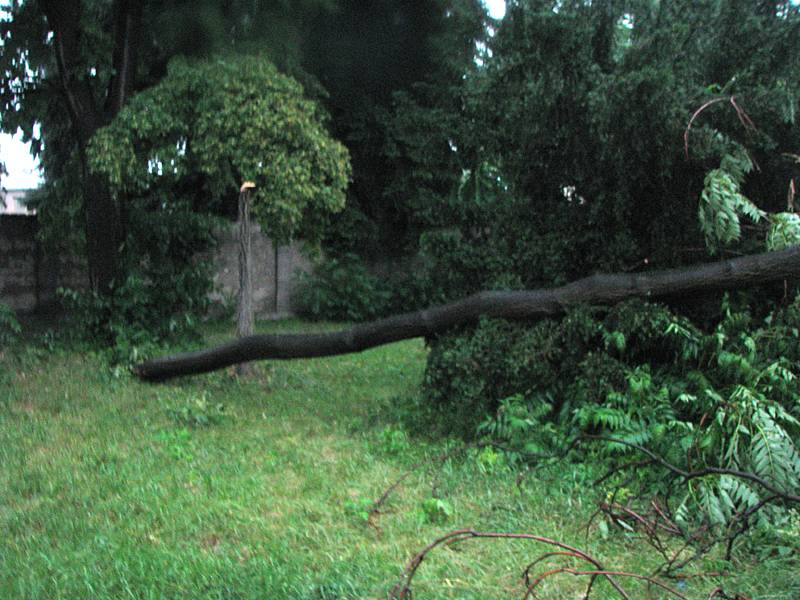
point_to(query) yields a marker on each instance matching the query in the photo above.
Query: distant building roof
(13, 202)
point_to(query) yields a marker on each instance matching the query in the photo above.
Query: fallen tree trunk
(530, 304)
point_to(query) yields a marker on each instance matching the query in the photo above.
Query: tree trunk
(244, 321)
(103, 233)
(104, 229)
(275, 273)
(527, 305)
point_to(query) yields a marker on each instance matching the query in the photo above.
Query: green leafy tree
(581, 108)
(217, 123)
(176, 154)
(71, 65)
(393, 71)
(54, 55)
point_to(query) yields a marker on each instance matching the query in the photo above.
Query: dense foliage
(723, 397)
(582, 113)
(214, 124)
(165, 290)
(376, 61)
(344, 289)
(563, 147)
(599, 180)
(174, 156)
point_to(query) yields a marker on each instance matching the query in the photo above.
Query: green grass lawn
(212, 487)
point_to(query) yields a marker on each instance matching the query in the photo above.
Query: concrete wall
(18, 262)
(12, 202)
(29, 277)
(273, 281)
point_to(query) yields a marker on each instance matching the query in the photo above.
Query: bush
(198, 413)
(726, 397)
(345, 289)
(341, 289)
(469, 373)
(165, 291)
(559, 362)
(9, 326)
(591, 354)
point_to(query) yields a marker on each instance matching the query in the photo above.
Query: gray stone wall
(29, 277)
(273, 280)
(19, 258)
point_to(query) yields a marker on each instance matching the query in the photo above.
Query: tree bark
(244, 321)
(526, 305)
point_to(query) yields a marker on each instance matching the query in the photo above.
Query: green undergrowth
(213, 487)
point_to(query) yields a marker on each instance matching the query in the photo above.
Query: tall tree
(52, 57)
(365, 54)
(59, 60)
(580, 111)
(88, 113)
(71, 65)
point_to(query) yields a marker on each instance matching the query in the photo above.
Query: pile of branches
(652, 519)
(656, 521)
(592, 568)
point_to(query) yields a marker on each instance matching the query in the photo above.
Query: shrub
(435, 511)
(559, 362)
(345, 289)
(468, 373)
(198, 413)
(166, 288)
(9, 326)
(726, 397)
(342, 289)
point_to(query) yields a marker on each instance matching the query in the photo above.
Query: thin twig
(605, 573)
(691, 121)
(402, 589)
(526, 574)
(438, 460)
(623, 467)
(687, 475)
(743, 117)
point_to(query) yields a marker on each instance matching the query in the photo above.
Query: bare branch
(743, 117)
(402, 589)
(63, 17)
(687, 475)
(127, 34)
(524, 305)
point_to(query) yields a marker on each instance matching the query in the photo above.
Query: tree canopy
(351, 56)
(220, 122)
(570, 138)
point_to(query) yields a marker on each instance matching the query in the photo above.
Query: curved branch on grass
(402, 589)
(598, 572)
(440, 459)
(521, 305)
